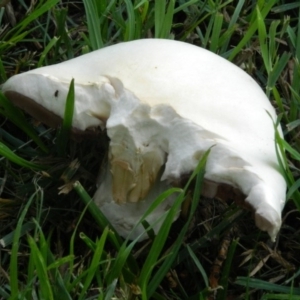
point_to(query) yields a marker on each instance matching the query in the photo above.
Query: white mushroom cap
(164, 103)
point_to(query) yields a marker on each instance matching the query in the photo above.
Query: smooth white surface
(206, 101)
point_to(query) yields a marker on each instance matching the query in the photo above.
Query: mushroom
(164, 104)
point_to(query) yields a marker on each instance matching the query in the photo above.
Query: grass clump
(55, 243)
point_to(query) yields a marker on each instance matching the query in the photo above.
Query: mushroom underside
(124, 201)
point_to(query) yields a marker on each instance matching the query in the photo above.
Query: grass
(55, 243)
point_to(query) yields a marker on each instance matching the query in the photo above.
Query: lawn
(56, 244)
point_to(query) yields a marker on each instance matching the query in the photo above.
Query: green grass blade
(13, 268)
(278, 68)
(93, 24)
(266, 286)
(8, 239)
(295, 187)
(168, 20)
(98, 215)
(208, 33)
(94, 266)
(198, 265)
(67, 278)
(216, 32)
(159, 16)
(279, 103)
(102, 221)
(3, 293)
(280, 148)
(3, 76)
(89, 242)
(285, 7)
(273, 46)
(35, 14)
(232, 24)
(50, 45)
(294, 107)
(57, 263)
(280, 297)
(41, 270)
(295, 154)
(64, 132)
(163, 18)
(64, 40)
(110, 290)
(17, 145)
(253, 27)
(185, 4)
(120, 261)
(8, 110)
(293, 277)
(222, 293)
(293, 125)
(262, 34)
(130, 23)
(157, 247)
(11, 156)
